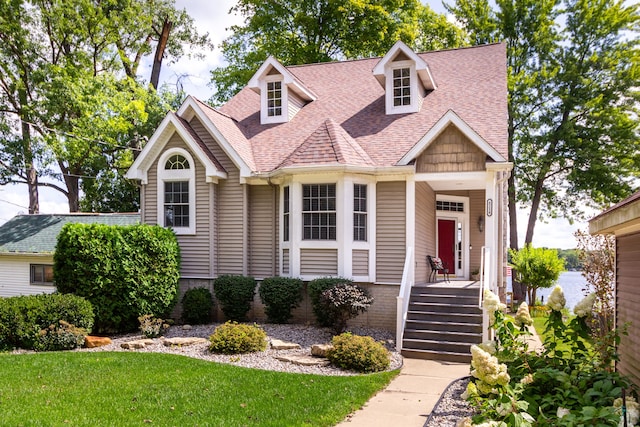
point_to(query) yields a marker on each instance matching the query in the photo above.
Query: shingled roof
(472, 82)
(38, 233)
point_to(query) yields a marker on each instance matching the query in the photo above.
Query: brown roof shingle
(470, 81)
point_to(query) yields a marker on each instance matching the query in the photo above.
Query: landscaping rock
(131, 345)
(304, 360)
(320, 350)
(93, 342)
(187, 327)
(184, 341)
(283, 345)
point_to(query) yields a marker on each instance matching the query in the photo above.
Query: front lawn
(114, 389)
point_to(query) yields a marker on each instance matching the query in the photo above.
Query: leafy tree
(573, 73)
(308, 31)
(571, 258)
(536, 268)
(67, 109)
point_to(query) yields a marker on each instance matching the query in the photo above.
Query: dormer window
(401, 87)
(274, 98)
(282, 95)
(406, 79)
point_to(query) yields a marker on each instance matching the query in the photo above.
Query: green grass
(135, 389)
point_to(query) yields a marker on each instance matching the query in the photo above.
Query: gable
(451, 151)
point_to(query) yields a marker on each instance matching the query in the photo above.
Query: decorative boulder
(283, 345)
(320, 350)
(183, 341)
(135, 344)
(93, 342)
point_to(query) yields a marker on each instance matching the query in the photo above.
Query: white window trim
(32, 281)
(414, 106)
(177, 175)
(264, 114)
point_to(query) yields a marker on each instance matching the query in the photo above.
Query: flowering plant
(567, 383)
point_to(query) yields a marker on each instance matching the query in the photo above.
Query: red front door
(447, 243)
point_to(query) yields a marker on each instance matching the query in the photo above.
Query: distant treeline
(571, 258)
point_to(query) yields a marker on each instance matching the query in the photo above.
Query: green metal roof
(39, 233)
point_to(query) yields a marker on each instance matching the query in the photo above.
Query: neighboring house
(27, 244)
(350, 169)
(623, 221)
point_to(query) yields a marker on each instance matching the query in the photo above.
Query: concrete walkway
(409, 398)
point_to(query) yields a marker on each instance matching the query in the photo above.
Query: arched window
(176, 191)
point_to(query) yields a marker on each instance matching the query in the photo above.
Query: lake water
(572, 283)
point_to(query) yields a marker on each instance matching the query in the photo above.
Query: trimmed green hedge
(280, 295)
(125, 271)
(235, 294)
(31, 321)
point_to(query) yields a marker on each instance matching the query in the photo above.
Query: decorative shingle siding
(628, 300)
(262, 233)
(451, 152)
(390, 231)
(425, 230)
(318, 262)
(230, 210)
(360, 260)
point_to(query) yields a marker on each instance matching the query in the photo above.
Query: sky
(194, 75)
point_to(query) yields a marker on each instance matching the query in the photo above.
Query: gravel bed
(451, 407)
(304, 335)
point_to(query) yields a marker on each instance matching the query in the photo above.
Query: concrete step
(433, 325)
(447, 336)
(444, 308)
(437, 355)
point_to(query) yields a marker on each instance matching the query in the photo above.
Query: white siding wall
(15, 275)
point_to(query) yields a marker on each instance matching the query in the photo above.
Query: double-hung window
(41, 274)
(360, 212)
(176, 191)
(319, 212)
(401, 87)
(274, 99)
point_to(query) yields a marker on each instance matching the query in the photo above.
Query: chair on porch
(437, 266)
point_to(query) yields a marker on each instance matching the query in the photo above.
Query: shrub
(358, 353)
(197, 304)
(316, 287)
(22, 318)
(235, 338)
(280, 295)
(235, 294)
(151, 327)
(125, 271)
(60, 336)
(343, 302)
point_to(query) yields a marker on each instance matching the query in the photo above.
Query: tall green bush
(536, 268)
(235, 294)
(280, 295)
(125, 271)
(197, 304)
(29, 321)
(315, 288)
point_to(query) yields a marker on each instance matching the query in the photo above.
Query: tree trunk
(73, 188)
(162, 45)
(519, 291)
(30, 170)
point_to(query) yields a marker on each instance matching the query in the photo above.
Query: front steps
(442, 323)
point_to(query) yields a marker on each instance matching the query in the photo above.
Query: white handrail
(402, 300)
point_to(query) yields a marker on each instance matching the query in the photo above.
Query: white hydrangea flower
(584, 307)
(488, 370)
(633, 410)
(492, 304)
(523, 318)
(527, 379)
(562, 412)
(556, 299)
(488, 346)
(464, 422)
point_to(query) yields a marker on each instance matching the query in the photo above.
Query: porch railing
(402, 300)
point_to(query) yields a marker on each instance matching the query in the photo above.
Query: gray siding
(627, 302)
(390, 231)
(318, 262)
(295, 104)
(195, 249)
(262, 237)
(360, 260)
(285, 261)
(425, 229)
(230, 211)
